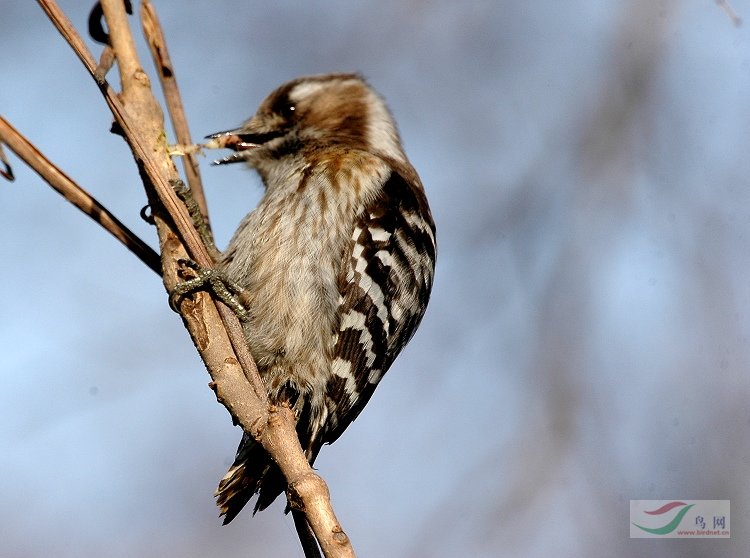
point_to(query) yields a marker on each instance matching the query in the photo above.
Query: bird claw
(208, 279)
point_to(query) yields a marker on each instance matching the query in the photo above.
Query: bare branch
(214, 329)
(158, 45)
(76, 195)
(729, 10)
(97, 32)
(160, 170)
(307, 490)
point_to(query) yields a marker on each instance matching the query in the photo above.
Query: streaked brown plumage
(336, 261)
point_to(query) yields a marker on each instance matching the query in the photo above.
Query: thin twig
(149, 124)
(729, 10)
(241, 411)
(76, 195)
(140, 120)
(141, 151)
(97, 32)
(160, 53)
(106, 61)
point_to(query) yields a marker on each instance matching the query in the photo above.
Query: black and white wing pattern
(384, 292)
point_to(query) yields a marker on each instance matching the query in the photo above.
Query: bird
(336, 263)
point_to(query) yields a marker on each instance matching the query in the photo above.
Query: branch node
(339, 536)
(274, 416)
(140, 77)
(304, 486)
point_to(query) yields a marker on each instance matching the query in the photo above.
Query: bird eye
(287, 110)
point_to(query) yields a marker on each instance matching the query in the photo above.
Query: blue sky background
(587, 341)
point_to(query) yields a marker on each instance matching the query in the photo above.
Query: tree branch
(160, 53)
(215, 330)
(76, 195)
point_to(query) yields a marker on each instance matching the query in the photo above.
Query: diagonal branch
(135, 128)
(160, 53)
(76, 195)
(215, 330)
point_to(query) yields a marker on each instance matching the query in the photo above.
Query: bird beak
(238, 140)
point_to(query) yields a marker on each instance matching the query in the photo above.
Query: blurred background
(587, 339)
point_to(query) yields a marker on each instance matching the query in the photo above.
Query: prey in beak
(237, 140)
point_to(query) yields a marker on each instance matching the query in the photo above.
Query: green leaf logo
(672, 525)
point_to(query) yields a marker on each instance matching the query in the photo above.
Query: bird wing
(384, 288)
